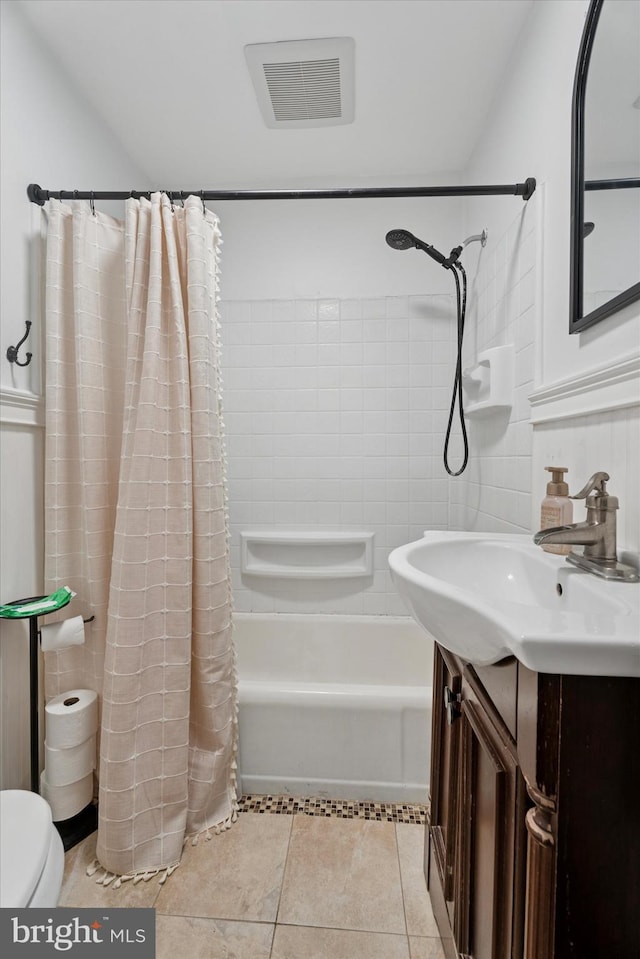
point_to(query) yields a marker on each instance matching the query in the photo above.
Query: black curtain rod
(621, 183)
(37, 195)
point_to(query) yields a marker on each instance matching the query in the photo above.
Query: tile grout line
(284, 870)
(404, 905)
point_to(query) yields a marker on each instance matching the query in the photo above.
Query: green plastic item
(37, 607)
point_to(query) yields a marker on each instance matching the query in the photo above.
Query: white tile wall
(494, 493)
(335, 412)
(505, 481)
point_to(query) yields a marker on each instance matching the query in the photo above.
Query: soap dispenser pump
(556, 508)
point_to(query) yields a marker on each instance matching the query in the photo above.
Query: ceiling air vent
(303, 83)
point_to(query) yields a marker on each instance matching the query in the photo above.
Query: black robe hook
(12, 351)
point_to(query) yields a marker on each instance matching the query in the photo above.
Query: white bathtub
(334, 706)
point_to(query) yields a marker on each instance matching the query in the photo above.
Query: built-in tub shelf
(307, 554)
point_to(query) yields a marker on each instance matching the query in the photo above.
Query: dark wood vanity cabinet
(445, 772)
(533, 841)
(476, 850)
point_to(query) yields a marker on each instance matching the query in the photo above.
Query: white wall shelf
(307, 554)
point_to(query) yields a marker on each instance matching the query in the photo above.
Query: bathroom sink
(485, 596)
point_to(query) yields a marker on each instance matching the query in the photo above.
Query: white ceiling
(169, 77)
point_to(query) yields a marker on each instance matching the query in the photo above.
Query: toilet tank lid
(25, 834)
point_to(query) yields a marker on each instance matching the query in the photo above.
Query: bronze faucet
(597, 533)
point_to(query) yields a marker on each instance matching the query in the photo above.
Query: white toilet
(31, 851)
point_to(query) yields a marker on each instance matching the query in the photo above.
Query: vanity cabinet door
(489, 869)
(444, 772)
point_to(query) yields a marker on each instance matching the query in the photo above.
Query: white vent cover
(303, 83)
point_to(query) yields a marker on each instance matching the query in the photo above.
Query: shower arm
(457, 250)
(482, 237)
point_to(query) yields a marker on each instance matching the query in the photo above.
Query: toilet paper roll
(64, 766)
(67, 801)
(71, 718)
(70, 632)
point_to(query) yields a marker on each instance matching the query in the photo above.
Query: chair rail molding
(612, 387)
(20, 408)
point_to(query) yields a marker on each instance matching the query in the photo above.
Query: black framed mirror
(605, 165)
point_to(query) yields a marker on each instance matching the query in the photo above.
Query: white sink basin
(485, 596)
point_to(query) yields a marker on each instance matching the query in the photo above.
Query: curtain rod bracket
(36, 194)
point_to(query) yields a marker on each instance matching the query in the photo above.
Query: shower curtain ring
(173, 210)
(92, 204)
(204, 209)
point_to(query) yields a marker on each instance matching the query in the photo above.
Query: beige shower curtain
(135, 517)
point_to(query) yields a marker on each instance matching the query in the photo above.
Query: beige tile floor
(283, 887)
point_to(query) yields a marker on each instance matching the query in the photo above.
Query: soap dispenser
(556, 508)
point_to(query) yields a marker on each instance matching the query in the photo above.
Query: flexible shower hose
(461, 299)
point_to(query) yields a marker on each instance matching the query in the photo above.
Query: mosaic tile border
(339, 808)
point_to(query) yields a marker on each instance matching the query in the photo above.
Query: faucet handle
(598, 482)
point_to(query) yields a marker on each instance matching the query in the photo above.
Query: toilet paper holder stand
(34, 633)
(74, 830)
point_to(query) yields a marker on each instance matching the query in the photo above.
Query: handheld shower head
(403, 240)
